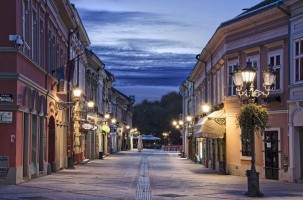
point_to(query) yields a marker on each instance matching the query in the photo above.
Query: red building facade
(34, 44)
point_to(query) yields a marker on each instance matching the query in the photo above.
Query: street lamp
(77, 92)
(246, 76)
(205, 108)
(90, 104)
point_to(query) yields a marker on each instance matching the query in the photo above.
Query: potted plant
(253, 116)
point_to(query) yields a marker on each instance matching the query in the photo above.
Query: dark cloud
(139, 67)
(103, 18)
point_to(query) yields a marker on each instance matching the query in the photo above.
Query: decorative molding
(275, 44)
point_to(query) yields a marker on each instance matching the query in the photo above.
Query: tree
(155, 117)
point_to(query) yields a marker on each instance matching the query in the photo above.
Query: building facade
(294, 161)
(43, 60)
(259, 35)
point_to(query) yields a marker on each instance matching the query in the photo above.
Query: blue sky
(150, 45)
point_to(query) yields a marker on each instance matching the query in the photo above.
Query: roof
(110, 75)
(264, 5)
(121, 94)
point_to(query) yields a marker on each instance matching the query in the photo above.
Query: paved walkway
(150, 174)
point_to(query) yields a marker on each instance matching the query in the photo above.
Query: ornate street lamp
(77, 92)
(90, 104)
(246, 76)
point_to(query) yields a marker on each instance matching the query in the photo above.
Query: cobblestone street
(150, 174)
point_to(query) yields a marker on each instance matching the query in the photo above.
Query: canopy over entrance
(211, 126)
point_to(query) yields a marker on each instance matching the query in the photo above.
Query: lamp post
(185, 126)
(76, 98)
(246, 76)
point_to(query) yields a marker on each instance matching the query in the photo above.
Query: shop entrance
(271, 155)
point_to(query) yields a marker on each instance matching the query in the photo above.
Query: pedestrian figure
(140, 143)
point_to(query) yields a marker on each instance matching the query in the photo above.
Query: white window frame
(231, 89)
(299, 56)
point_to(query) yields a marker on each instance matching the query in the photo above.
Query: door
(34, 144)
(271, 155)
(51, 142)
(25, 144)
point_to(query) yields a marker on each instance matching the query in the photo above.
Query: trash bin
(100, 155)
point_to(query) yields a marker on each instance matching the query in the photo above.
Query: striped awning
(211, 126)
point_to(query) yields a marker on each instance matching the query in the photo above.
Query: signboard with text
(6, 98)
(6, 117)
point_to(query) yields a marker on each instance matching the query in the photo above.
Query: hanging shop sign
(6, 98)
(105, 128)
(6, 117)
(87, 126)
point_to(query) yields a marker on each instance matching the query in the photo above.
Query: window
(299, 60)
(275, 59)
(215, 89)
(41, 44)
(231, 67)
(222, 82)
(246, 144)
(25, 21)
(34, 36)
(255, 63)
(51, 52)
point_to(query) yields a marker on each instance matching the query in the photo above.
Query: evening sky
(150, 45)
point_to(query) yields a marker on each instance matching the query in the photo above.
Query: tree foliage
(155, 117)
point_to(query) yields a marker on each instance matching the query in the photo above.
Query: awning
(211, 126)
(148, 137)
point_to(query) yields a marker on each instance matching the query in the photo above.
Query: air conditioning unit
(62, 87)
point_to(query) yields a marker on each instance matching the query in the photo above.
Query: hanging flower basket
(253, 115)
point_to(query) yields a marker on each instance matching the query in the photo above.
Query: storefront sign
(6, 117)
(6, 98)
(87, 126)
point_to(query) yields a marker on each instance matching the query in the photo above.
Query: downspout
(45, 39)
(286, 12)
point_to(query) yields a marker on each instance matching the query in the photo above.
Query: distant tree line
(156, 117)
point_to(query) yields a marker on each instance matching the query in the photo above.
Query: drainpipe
(286, 12)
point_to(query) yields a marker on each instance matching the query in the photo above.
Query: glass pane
(278, 60)
(301, 69)
(230, 69)
(297, 48)
(301, 47)
(297, 69)
(272, 60)
(277, 85)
